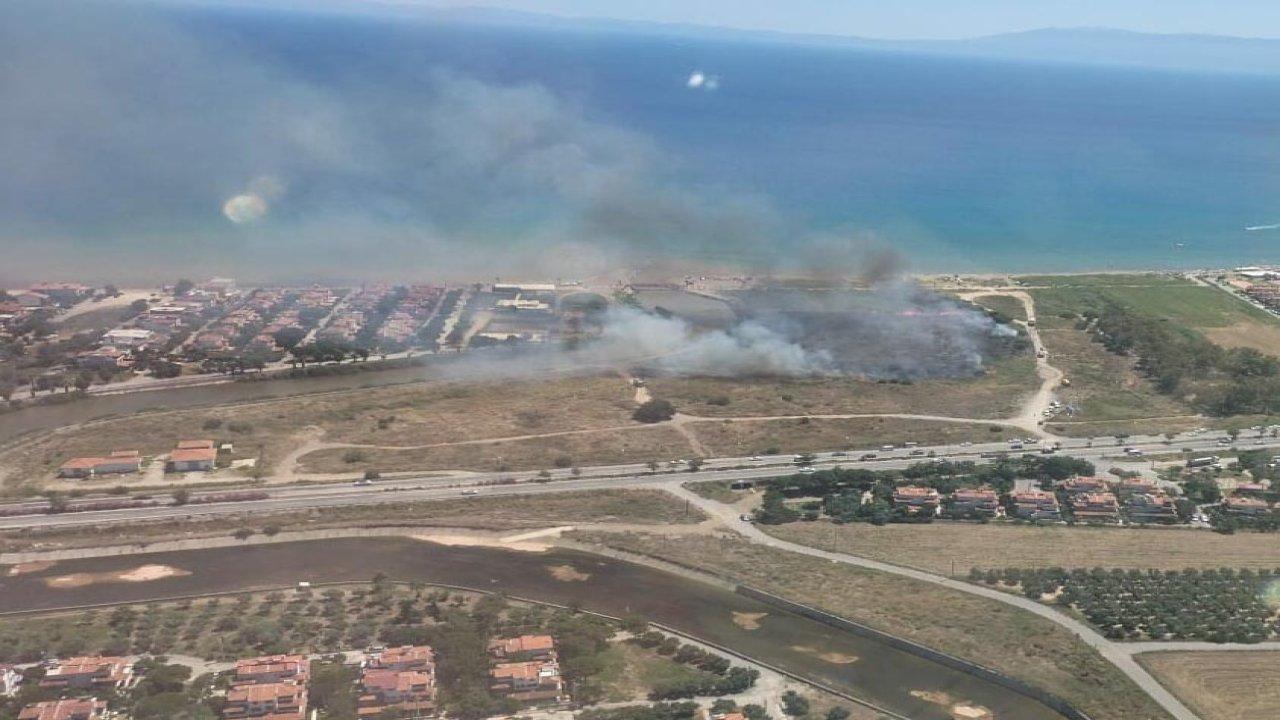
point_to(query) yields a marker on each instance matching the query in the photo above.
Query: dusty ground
(946, 547)
(996, 394)
(988, 632)
(1221, 685)
(624, 507)
(1247, 333)
(638, 444)
(746, 437)
(395, 415)
(1104, 386)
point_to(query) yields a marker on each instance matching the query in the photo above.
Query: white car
(470, 491)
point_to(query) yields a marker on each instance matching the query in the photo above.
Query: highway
(1103, 452)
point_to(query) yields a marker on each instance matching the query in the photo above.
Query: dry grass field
(1009, 306)
(1234, 685)
(416, 414)
(749, 437)
(993, 395)
(632, 507)
(992, 633)
(944, 547)
(1104, 386)
(1261, 336)
(638, 445)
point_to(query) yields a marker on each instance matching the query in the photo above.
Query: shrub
(354, 456)
(654, 411)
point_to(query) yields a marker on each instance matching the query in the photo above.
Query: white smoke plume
(673, 346)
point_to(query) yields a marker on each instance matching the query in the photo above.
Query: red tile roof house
(1078, 485)
(1096, 507)
(84, 673)
(271, 669)
(524, 647)
(983, 501)
(267, 701)
(405, 657)
(1245, 505)
(77, 709)
(916, 500)
(1148, 508)
(1250, 489)
(117, 463)
(532, 681)
(407, 693)
(192, 456)
(1036, 505)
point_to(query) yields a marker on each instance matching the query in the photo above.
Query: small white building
(127, 337)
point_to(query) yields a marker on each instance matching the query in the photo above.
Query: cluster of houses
(398, 313)
(409, 315)
(1089, 500)
(347, 322)
(395, 682)
(18, 306)
(243, 328)
(187, 456)
(526, 669)
(84, 676)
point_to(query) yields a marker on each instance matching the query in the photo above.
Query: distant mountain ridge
(1081, 45)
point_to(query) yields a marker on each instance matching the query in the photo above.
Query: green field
(1177, 300)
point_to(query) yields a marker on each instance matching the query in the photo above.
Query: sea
(953, 165)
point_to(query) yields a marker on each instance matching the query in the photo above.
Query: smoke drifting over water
(143, 152)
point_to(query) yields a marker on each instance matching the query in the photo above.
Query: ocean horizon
(952, 164)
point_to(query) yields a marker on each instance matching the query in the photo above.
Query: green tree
(654, 411)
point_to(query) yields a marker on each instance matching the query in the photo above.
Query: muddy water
(859, 666)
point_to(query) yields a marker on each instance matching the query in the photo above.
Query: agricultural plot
(1217, 605)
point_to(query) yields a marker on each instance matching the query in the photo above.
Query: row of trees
(1216, 380)
(1217, 605)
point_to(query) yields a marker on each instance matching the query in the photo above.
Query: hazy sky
(923, 18)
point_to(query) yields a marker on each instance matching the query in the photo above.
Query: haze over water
(959, 164)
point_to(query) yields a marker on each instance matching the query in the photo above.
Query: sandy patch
(834, 658)
(142, 573)
(454, 539)
(29, 567)
(959, 710)
(568, 573)
(748, 621)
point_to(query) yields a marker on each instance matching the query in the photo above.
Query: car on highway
(807, 470)
(363, 482)
(470, 491)
(867, 456)
(917, 451)
(755, 458)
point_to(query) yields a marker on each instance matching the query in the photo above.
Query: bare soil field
(416, 414)
(631, 507)
(1242, 685)
(747, 437)
(996, 394)
(1264, 337)
(996, 635)
(610, 447)
(952, 547)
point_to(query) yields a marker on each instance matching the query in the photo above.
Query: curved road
(1119, 654)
